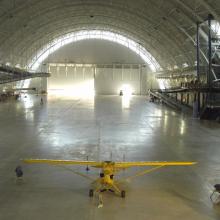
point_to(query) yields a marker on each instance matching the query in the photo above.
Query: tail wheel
(123, 194)
(91, 193)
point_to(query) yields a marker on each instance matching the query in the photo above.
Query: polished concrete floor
(106, 128)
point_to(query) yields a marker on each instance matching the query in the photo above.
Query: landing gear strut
(123, 194)
(91, 193)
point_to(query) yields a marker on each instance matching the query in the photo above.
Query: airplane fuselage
(107, 173)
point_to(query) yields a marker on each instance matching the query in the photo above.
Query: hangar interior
(116, 80)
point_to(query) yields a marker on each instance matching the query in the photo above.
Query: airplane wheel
(91, 192)
(123, 194)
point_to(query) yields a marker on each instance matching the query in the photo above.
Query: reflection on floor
(103, 128)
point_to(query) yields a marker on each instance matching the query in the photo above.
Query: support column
(198, 63)
(210, 18)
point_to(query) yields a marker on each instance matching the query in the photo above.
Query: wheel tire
(91, 193)
(123, 194)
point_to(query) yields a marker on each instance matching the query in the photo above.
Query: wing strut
(141, 173)
(77, 173)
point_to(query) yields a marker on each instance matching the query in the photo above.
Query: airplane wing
(63, 162)
(156, 165)
(121, 165)
(117, 165)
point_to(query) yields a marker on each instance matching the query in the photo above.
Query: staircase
(169, 101)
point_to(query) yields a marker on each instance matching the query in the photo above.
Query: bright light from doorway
(127, 90)
(127, 93)
(80, 90)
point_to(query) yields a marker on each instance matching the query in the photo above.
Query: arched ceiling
(164, 27)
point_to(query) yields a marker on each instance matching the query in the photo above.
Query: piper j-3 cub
(106, 180)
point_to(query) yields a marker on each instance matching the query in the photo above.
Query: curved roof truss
(93, 34)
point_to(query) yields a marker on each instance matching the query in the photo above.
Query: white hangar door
(109, 79)
(71, 79)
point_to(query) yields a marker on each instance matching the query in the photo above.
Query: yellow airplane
(108, 170)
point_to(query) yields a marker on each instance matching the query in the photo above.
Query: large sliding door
(84, 79)
(110, 79)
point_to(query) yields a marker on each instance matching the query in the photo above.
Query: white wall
(99, 53)
(94, 51)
